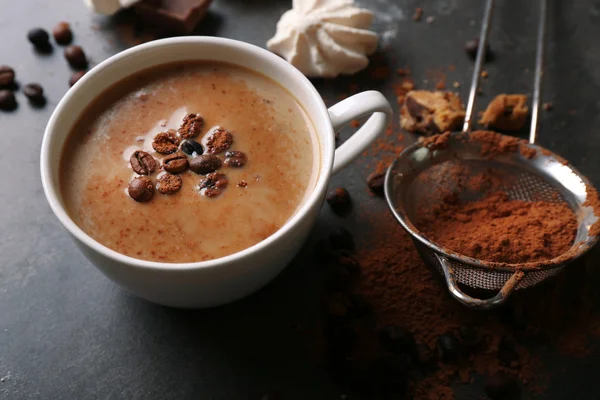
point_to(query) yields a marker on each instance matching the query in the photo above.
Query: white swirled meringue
(325, 38)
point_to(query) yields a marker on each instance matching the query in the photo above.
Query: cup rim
(326, 147)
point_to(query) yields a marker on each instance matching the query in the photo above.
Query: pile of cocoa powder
(495, 228)
(391, 329)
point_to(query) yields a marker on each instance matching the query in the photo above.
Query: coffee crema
(271, 164)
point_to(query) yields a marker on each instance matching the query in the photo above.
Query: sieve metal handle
(481, 304)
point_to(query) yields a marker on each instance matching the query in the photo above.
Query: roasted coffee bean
(341, 239)
(219, 141)
(62, 33)
(375, 182)
(76, 76)
(472, 46)
(141, 189)
(397, 340)
(166, 142)
(175, 163)
(235, 159)
(39, 38)
(7, 75)
(76, 57)
(213, 184)
(191, 147)
(192, 126)
(448, 348)
(7, 100)
(339, 199)
(142, 163)
(502, 387)
(169, 184)
(205, 164)
(35, 93)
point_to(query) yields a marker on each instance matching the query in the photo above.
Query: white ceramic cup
(219, 281)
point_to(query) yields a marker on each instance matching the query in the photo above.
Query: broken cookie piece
(506, 112)
(431, 112)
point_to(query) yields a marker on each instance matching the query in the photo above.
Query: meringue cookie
(108, 7)
(325, 38)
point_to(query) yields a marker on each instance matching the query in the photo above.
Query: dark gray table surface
(66, 332)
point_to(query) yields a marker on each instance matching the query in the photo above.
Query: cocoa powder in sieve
(498, 229)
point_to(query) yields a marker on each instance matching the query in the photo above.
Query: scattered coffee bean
(213, 184)
(175, 163)
(76, 57)
(191, 147)
(219, 141)
(242, 184)
(375, 182)
(169, 184)
(547, 106)
(166, 142)
(62, 33)
(141, 189)
(448, 348)
(76, 76)
(192, 126)
(39, 38)
(7, 75)
(7, 100)
(341, 239)
(472, 46)
(142, 163)
(397, 340)
(339, 199)
(205, 164)
(235, 159)
(502, 387)
(35, 93)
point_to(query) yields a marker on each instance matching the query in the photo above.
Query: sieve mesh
(420, 178)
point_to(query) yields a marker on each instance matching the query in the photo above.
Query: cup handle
(480, 304)
(359, 105)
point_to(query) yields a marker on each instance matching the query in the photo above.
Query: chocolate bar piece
(172, 16)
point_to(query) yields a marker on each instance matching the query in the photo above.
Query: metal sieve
(420, 174)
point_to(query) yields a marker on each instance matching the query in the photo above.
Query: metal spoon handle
(483, 37)
(539, 71)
